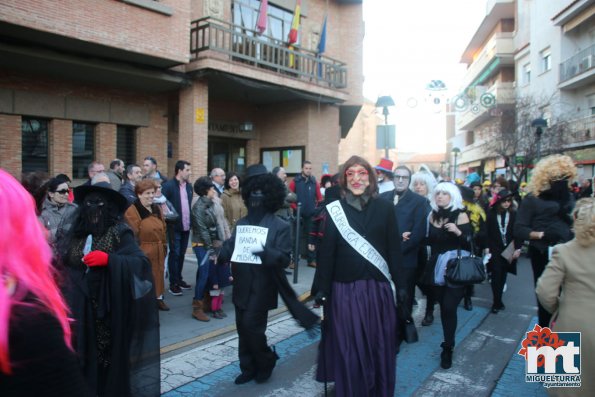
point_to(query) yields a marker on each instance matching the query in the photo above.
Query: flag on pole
(322, 42)
(261, 22)
(321, 47)
(295, 23)
(293, 33)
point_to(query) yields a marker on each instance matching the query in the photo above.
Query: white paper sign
(249, 239)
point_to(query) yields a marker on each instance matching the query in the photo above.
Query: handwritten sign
(249, 239)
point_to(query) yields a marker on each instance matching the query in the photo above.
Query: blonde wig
(584, 221)
(550, 169)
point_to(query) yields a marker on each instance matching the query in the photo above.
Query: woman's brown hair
(372, 188)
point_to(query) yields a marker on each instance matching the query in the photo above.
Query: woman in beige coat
(232, 202)
(572, 270)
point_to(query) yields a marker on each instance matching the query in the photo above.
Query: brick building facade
(175, 79)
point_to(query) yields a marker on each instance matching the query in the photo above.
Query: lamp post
(384, 102)
(455, 151)
(539, 124)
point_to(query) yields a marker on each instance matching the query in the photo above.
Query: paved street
(204, 363)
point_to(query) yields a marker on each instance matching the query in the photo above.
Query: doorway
(228, 154)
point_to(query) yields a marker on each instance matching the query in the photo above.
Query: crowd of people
(94, 267)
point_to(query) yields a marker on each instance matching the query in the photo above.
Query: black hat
(255, 170)
(104, 188)
(501, 195)
(466, 193)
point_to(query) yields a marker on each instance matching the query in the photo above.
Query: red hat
(385, 165)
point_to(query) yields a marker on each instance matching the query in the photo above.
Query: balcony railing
(578, 64)
(581, 130)
(242, 45)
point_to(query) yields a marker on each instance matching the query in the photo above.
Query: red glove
(95, 258)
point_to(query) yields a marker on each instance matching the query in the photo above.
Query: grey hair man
(218, 178)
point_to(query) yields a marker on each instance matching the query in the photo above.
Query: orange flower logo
(540, 337)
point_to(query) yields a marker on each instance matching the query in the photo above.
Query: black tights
(449, 299)
(538, 261)
(499, 273)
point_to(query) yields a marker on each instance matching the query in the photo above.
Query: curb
(224, 330)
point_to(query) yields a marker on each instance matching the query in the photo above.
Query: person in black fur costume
(256, 285)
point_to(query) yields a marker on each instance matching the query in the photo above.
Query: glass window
(290, 158)
(126, 144)
(83, 148)
(245, 15)
(34, 144)
(546, 60)
(526, 77)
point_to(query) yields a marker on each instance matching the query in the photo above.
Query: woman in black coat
(358, 346)
(544, 216)
(500, 226)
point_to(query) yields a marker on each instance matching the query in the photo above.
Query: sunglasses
(401, 178)
(63, 191)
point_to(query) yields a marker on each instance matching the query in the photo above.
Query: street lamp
(539, 124)
(384, 102)
(455, 151)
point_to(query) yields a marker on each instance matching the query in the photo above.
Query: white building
(543, 50)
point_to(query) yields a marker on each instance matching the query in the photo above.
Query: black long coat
(124, 301)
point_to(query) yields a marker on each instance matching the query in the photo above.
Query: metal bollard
(296, 251)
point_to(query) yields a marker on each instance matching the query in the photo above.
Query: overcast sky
(407, 45)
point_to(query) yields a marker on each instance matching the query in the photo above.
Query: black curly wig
(272, 188)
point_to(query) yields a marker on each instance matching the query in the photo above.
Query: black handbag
(465, 270)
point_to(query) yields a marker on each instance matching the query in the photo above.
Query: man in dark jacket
(411, 211)
(179, 192)
(133, 176)
(308, 194)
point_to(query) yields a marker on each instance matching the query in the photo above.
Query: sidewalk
(178, 329)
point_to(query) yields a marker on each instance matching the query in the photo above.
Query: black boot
(244, 377)
(429, 317)
(468, 305)
(446, 356)
(266, 369)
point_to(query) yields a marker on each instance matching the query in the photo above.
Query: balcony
(478, 111)
(579, 70)
(581, 131)
(500, 46)
(210, 37)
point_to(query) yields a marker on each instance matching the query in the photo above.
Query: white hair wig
(425, 178)
(456, 200)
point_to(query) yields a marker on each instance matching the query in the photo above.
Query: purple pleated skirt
(358, 347)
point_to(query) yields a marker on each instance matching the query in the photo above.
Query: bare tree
(513, 138)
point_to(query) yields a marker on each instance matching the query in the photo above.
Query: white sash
(358, 243)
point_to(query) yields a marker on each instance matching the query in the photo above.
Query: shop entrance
(228, 154)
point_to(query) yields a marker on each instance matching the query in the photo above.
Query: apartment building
(528, 50)
(177, 79)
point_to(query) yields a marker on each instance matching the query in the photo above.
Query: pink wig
(25, 256)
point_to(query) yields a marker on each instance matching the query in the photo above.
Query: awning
(347, 115)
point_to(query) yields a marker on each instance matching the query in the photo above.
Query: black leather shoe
(495, 309)
(468, 304)
(244, 377)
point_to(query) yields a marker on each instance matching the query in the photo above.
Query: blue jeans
(202, 272)
(175, 262)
